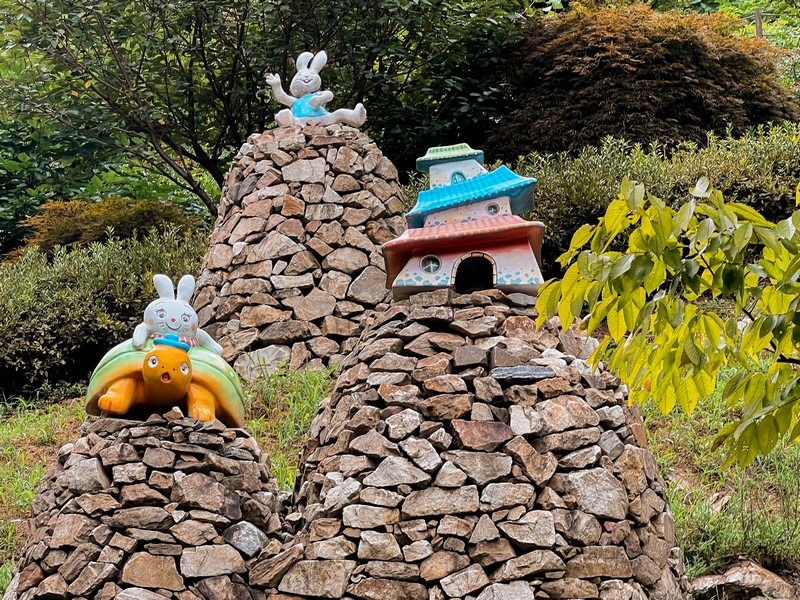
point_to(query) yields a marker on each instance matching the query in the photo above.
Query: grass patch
(719, 515)
(283, 405)
(29, 439)
(5, 575)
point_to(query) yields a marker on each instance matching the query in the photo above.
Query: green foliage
(37, 162)
(59, 314)
(634, 73)
(666, 346)
(182, 84)
(30, 434)
(760, 169)
(77, 222)
(750, 511)
(283, 405)
(6, 569)
(40, 161)
(713, 526)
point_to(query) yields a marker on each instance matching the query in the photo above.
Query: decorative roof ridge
(500, 182)
(445, 154)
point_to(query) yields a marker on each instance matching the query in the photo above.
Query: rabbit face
(305, 82)
(170, 316)
(307, 79)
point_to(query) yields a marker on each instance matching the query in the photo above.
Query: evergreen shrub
(760, 169)
(60, 313)
(637, 74)
(80, 222)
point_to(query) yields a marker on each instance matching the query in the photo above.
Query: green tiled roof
(441, 154)
(498, 183)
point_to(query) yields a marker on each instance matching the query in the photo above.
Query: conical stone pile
(169, 508)
(294, 266)
(464, 454)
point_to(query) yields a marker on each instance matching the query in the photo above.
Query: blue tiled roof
(501, 182)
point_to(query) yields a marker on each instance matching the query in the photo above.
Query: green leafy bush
(60, 313)
(198, 70)
(38, 162)
(77, 222)
(761, 169)
(634, 73)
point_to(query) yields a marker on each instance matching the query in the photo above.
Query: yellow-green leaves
(548, 300)
(616, 322)
(668, 298)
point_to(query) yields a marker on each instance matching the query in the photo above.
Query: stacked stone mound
(294, 267)
(464, 454)
(167, 508)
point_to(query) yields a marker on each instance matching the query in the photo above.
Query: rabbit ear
(164, 286)
(319, 61)
(303, 60)
(185, 288)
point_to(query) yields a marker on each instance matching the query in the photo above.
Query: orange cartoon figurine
(166, 372)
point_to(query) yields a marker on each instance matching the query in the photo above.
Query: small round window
(492, 209)
(430, 263)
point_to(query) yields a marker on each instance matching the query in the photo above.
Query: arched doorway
(474, 272)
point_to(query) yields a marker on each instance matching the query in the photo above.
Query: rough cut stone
(600, 561)
(519, 590)
(532, 563)
(270, 571)
(210, 561)
(153, 572)
(504, 495)
(326, 579)
(486, 436)
(386, 589)
(598, 492)
(535, 529)
(369, 287)
(437, 501)
(481, 467)
(465, 582)
(441, 564)
(422, 453)
(246, 538)
(378, 546)
(199, 491)
(86, 476)
(362, 516)
(394, 471)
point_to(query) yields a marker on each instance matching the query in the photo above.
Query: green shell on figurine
(210, 377)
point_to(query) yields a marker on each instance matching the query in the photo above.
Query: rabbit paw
(273, 80)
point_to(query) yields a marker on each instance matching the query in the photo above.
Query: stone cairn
(294, 266)
(167, 508)
(466, 454)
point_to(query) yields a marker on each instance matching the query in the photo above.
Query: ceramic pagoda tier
(465, 232)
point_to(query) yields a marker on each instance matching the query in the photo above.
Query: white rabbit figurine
(171, 314)
(307, 103)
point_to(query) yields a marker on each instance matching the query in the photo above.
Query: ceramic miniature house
(464, 232)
